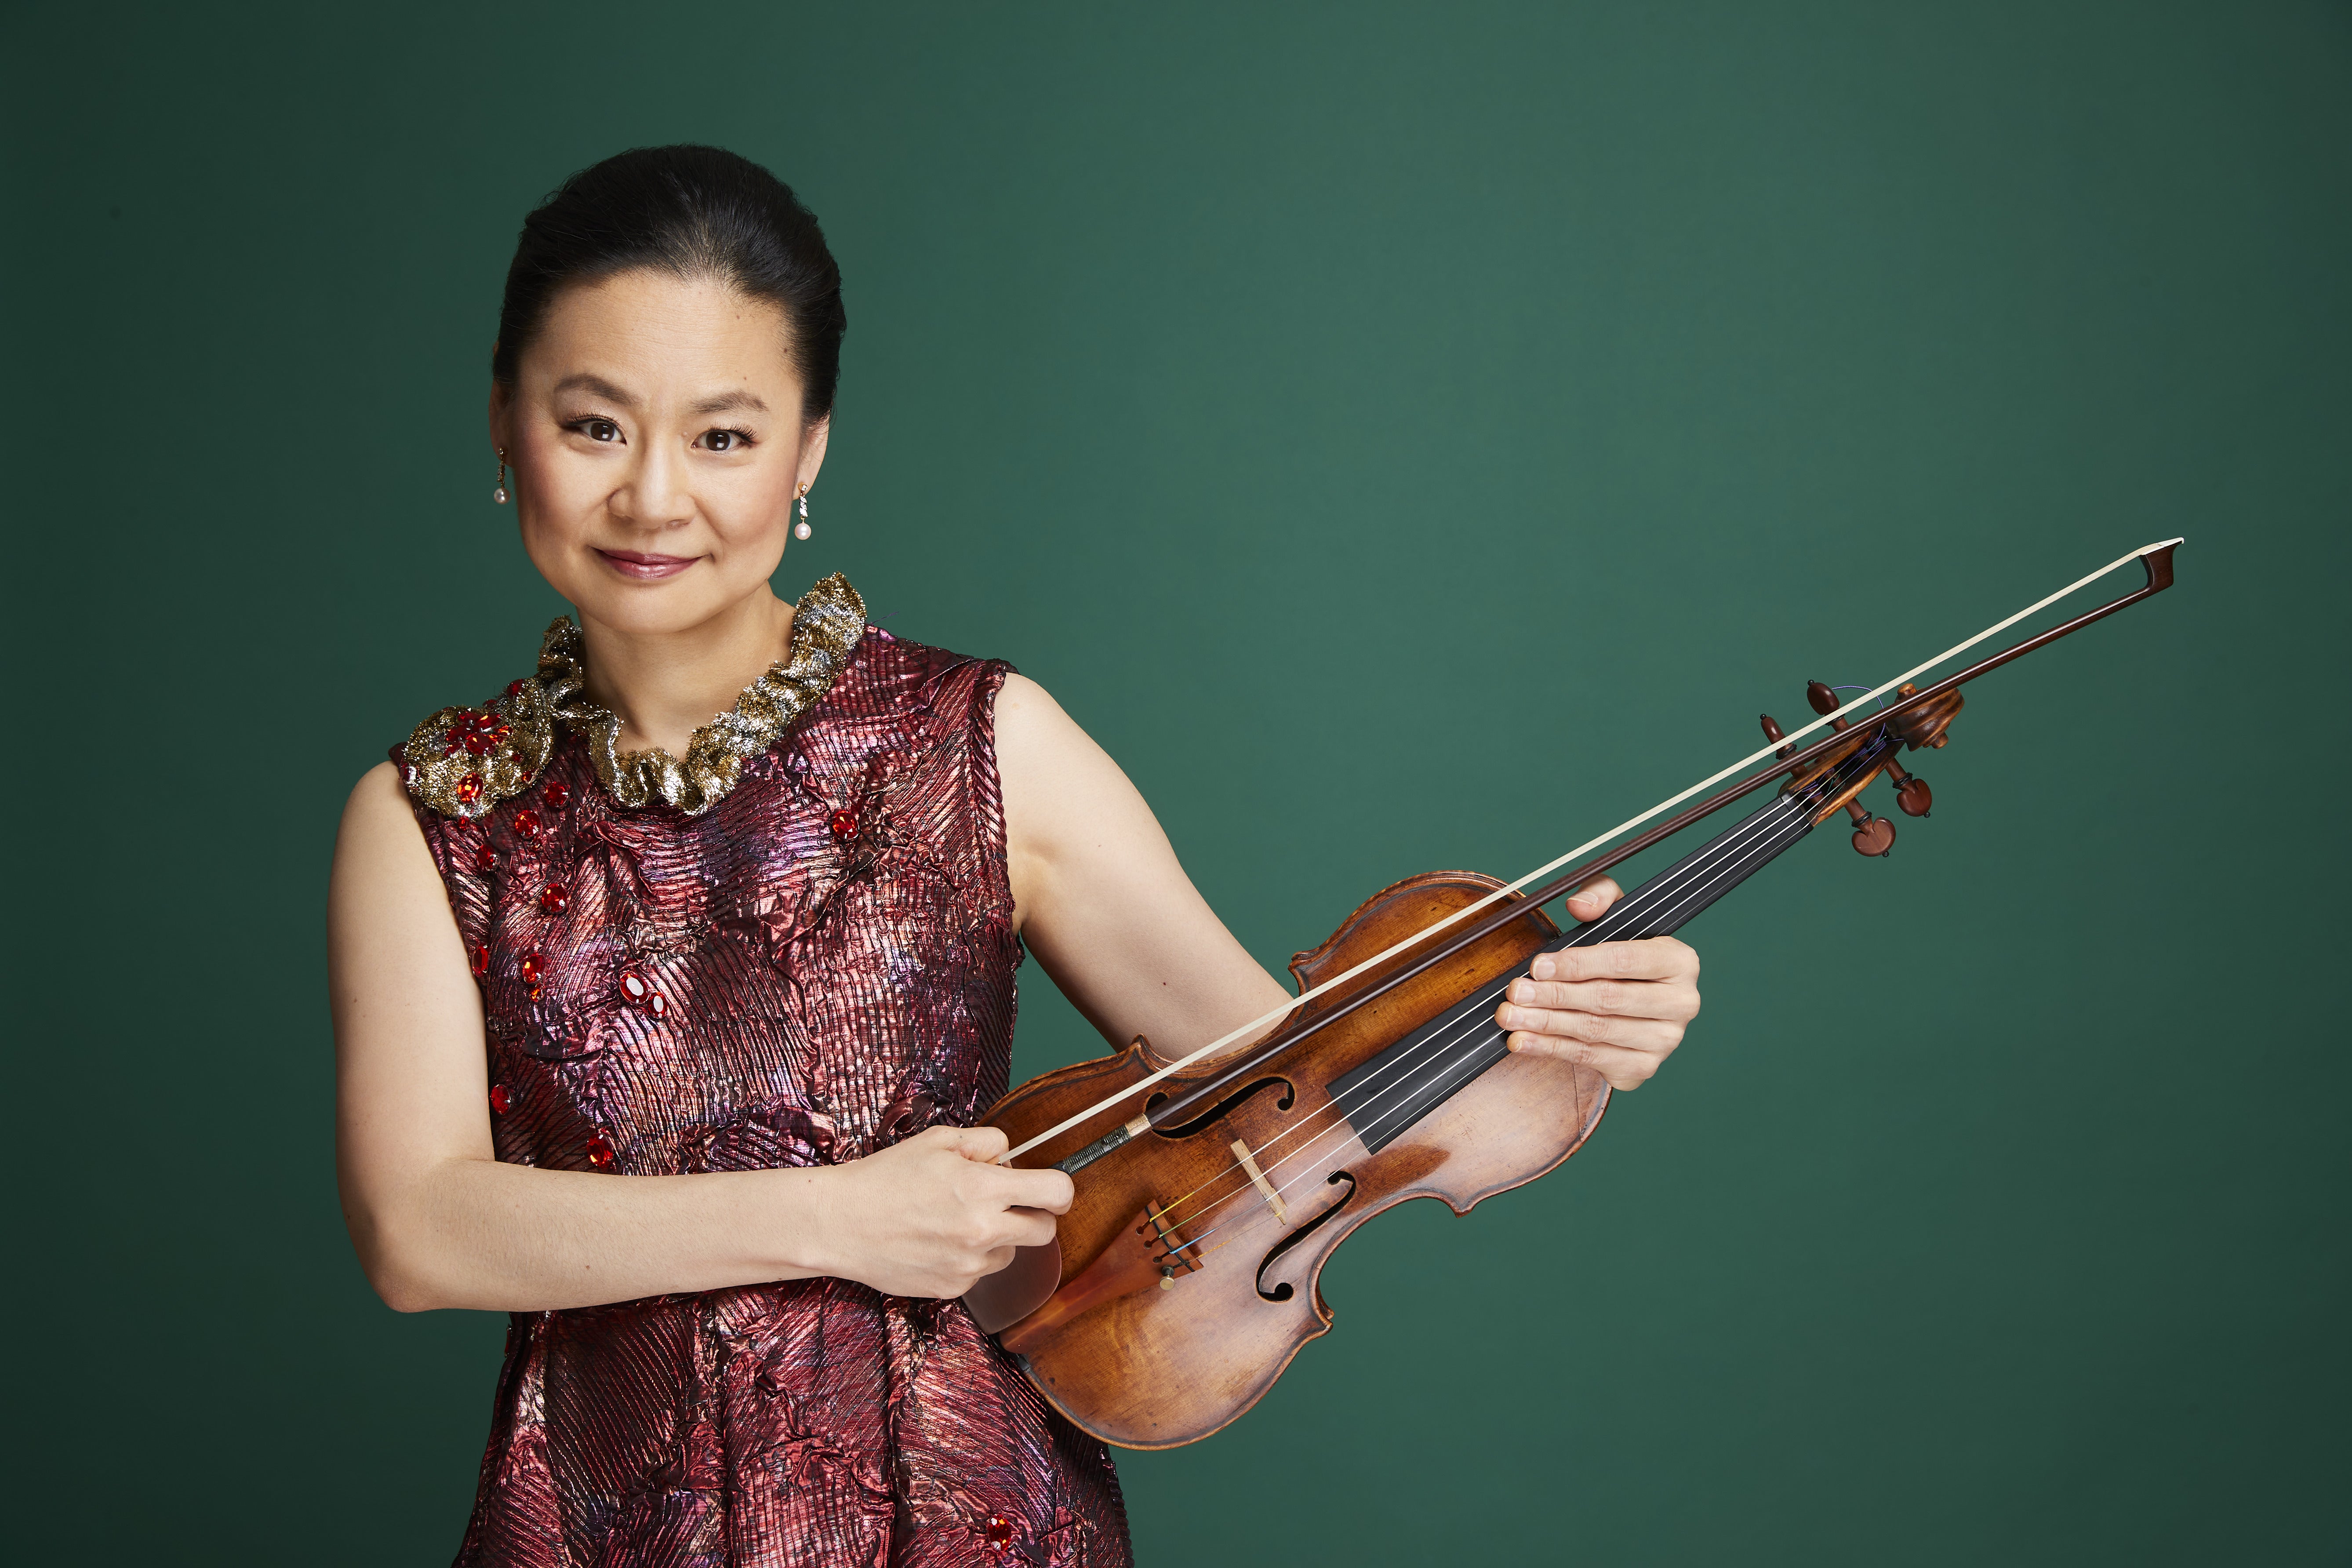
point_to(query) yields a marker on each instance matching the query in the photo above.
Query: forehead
(657, 330)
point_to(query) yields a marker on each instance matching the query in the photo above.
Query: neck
(667, 684)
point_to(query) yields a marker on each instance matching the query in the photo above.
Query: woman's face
(655, 432)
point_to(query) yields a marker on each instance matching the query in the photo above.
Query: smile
(646, 568)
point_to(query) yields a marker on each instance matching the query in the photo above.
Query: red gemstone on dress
(485, 858)
(997, 1531)
(556, 794)
(533, 966)
(526, 825)
(633, 986)
(514, 689)
(474, 733)
(481, 960)
(469, 789)
(599, 1150)
(844, 825)
(500, 1101)
(658, 1005)
(552, 898)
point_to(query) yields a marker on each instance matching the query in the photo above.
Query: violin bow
(2156, 558)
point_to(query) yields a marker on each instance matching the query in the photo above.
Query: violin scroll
(1922, 728)
(1926, 724)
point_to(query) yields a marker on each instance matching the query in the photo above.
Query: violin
(1209, 1191)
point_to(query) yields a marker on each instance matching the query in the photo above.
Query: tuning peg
(1910, 790)
(1772, 732)
(1873, 836)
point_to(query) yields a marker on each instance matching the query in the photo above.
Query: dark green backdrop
(1407, 436)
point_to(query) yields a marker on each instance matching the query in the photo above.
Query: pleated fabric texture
(820, 964)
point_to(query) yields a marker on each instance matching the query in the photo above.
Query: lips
(641, 567)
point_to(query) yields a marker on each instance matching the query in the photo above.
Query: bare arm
(1100, 896)
(440, 1222)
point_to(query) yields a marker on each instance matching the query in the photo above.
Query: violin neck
(1671, 900)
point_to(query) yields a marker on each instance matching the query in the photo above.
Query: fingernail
(1541, 967)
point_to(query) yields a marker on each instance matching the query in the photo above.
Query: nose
(654, 494)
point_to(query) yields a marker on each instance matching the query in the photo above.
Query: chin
(652, 613)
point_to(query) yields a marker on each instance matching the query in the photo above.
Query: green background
(1407, 438)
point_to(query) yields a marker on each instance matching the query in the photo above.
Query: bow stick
(2157, 558)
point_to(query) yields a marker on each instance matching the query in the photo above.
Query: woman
(760, 965)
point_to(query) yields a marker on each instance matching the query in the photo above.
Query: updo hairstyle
(694, 212)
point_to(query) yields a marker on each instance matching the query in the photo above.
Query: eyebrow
(719, 404)
(727, 400)
(597, 384)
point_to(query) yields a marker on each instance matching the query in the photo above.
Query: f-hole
(1231, 1102)
(1283, 1292)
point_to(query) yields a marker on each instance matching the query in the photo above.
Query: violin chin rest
(1002, 1298)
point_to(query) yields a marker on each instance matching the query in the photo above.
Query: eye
(724, 441)
(595, 428)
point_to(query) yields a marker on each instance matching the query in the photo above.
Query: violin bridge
(1249, 1164)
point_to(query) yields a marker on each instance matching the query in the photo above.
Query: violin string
(1689, 883)
(1461, 1072)
(1642, 903)
(1263, 1021)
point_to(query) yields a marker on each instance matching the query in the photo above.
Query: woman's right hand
(933, 1214)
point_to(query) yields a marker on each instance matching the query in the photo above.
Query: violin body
(1183, 1278)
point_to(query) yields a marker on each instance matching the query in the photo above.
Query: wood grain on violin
(1211, 1190)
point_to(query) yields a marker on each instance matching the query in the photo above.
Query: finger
(1621, 1068)
(1641, 1034)
(1028, 1227)
(1653, 958)
(981, 1143)
(1049, 1190)
(1591, 901)
(1622, 998)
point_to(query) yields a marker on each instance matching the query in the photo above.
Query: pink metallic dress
(798, 950)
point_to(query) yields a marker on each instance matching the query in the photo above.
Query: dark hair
(697, 212)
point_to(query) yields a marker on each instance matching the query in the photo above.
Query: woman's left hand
(1619, 1008)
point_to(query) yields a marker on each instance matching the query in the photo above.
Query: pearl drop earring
(499, 494)
(802, 529)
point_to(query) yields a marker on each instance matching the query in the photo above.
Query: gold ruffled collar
(463, 762)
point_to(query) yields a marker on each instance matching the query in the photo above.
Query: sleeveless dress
(807, 959)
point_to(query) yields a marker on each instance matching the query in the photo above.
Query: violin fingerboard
(1388, 1094)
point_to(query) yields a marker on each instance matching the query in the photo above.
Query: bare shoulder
(378, 806)
(1026, 716)
(379, 843)
(379, 789)
(1046, 761)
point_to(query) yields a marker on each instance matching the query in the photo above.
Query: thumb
(1591, 901)
(982, 1145)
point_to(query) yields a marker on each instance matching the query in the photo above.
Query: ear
(812, 440)
(501, 416)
